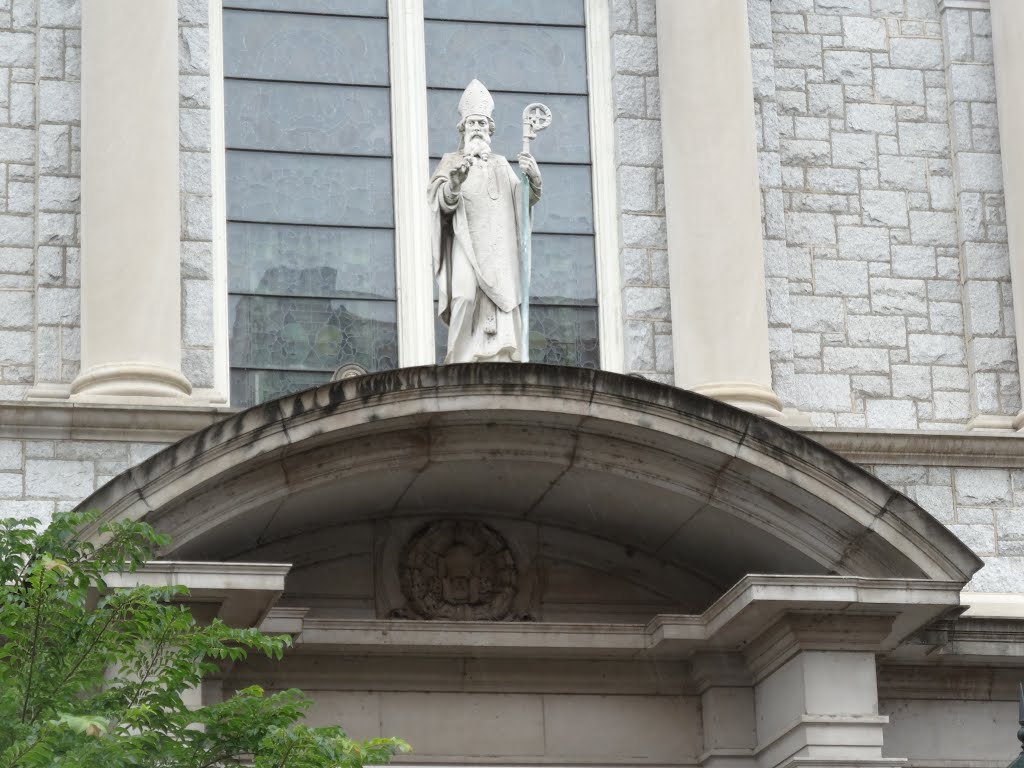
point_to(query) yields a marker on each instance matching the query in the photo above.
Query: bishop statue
(480, 218)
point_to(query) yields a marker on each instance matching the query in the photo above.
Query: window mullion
(413, 267)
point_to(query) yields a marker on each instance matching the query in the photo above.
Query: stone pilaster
(713, 204)
(1007, 19)
(131, 217)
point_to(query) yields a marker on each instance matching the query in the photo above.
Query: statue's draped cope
(476, 252)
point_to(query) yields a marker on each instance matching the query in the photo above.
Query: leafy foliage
(93, 678)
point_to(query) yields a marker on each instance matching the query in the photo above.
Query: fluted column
(712, 203)
(1008, 49)
(131, 294)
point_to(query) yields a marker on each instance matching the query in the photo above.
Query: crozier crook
(536, 117)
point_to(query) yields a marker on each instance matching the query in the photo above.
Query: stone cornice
(95, 421)
(927, 448)
(168, 424)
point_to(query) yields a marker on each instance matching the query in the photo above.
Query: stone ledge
(168, 424)
(93, 421)
(925, 448)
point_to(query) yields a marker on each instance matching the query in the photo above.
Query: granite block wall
(983, 507)
(643, 244)
(889, 306)
(41, 477)
(40, 119)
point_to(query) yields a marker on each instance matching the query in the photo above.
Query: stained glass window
(310, 203)
(529, 51)
(311, 248)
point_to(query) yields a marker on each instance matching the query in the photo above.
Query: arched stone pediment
(669, 491)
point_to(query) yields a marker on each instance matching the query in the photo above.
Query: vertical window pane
(539, 56)
(311, 250)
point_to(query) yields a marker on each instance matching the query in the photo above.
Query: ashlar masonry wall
(893, 288)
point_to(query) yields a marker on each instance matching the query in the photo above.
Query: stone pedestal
(1008, 50)
(712, 203)
(816, 693)
(131, 294)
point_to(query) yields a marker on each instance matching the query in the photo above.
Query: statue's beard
(477, 146)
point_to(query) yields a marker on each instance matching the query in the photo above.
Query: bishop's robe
(476, 254)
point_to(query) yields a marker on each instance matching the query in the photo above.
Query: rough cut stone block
(864, 33)
(635, 54)
(868, 243)
(982, 487)
(639, 141)
(847, 67)
(882, 208)
(980, 172)
(17, 145)
(825, 100)
(855, 360)
(916, 53)
(952, 406)
(877, 118)
(980, 538)
(648, 303)
(972, 82)
(930, 228)
(637, 188)
(1000, 574)
(994, 354)
(17, 49)
(905, 173)
(854, 150)
(924, 139)
(817, 314)
(841, 278)
(890, 414)
(895, 296)
(913, 261)
(833, 181)
(53, 478)
(987, 261)
(936, 499)
(16, 347)
(933, 349)
(60, 101)
(822, 392)
(911, 381)
(899, 86)
(16, 309)
(797, 50)
(810, 229)
(985, 306)
(804, 152)
(877, 331)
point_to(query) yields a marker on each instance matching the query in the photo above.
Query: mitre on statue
(476, 100)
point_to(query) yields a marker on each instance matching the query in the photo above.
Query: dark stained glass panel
(309, 189)
(508, 57)
(520, 12)
(292, 260)
(253, 386)
(297, 117)
(342, 7)
(308, 49)
(312, 334)
(564, 336)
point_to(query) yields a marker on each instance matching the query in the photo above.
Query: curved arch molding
(680, 483)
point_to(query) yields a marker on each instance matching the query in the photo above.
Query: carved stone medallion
(458, 570)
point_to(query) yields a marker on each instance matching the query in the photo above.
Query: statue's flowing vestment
(476, 252)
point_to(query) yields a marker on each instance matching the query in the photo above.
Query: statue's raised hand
(529, 166)
(458, 175)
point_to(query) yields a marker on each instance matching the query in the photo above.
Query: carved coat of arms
(458, 570)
